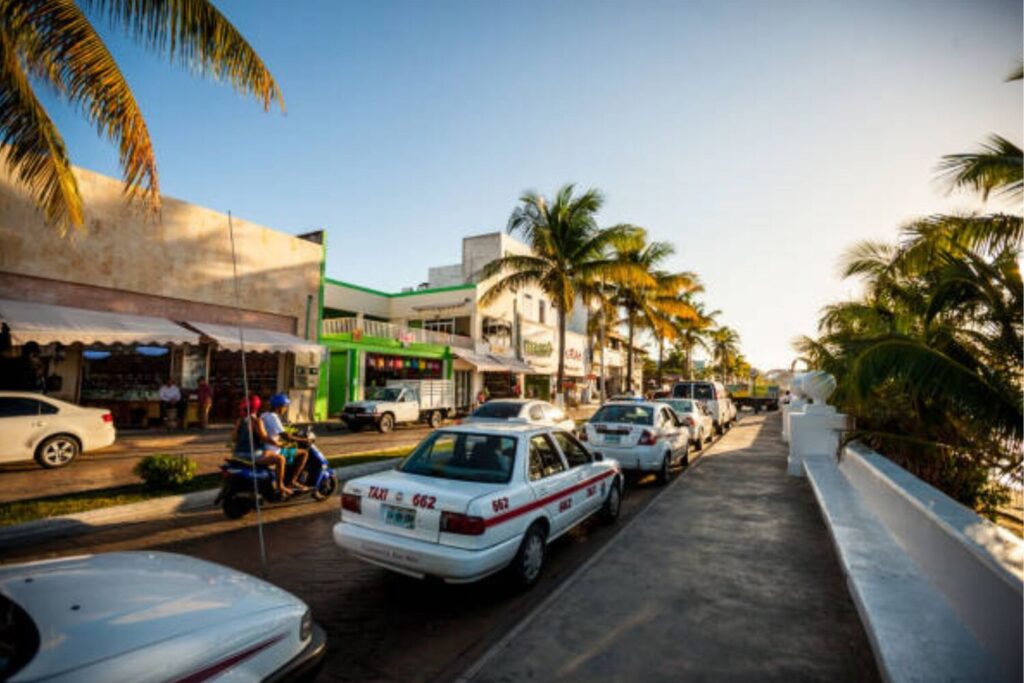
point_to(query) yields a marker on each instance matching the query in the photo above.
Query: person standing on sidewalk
(204, 394)
(170, 397)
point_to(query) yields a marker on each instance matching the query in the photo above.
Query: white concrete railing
(940, 590)
(382, 330)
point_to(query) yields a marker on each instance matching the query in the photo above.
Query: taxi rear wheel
(665, 473)
(529, 561)
(612, 503)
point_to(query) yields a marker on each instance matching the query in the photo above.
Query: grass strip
(21, 511)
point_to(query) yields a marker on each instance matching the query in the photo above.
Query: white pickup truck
(402, 401)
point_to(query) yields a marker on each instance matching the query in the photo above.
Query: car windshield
(502, 410)
(486, 458)
(388, 394)
(680, 405)
(19, 639)
(699, 391)
(627, 414)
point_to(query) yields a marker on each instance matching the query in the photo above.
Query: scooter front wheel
(325, 489)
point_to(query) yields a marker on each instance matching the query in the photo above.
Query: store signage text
(535, 348)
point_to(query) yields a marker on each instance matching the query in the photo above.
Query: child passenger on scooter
(249, 423)
(278, 439)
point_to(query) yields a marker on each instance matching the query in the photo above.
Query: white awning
(228, 337)
(491, 363)
(46, 324)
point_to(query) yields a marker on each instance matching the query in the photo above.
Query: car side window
(544, 459)
(572, 449)
(17, 406)
(536, 414)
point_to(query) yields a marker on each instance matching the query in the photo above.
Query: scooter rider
(278, 439)
(249, 425)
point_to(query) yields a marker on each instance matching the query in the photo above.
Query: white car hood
(365, 404)
(90, 608)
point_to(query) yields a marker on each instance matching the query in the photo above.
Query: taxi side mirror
(598, 457)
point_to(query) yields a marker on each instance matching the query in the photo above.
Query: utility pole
(600, 310)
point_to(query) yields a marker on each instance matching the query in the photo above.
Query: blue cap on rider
(278, 401)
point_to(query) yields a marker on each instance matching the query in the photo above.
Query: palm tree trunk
(629, 353)
(689, 361)
(561, 358)
(661, 350)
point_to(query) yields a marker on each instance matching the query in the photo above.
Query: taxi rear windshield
(485, 458)
(699, 391)
(680, 406)
(625, 414)
(498, 410)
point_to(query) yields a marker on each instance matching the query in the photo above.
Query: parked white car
(148, 616)
(51, 431)
(715, 398)
(402, 401)
(695, 416)
(525, 410)
(472, 500)
(644, 436)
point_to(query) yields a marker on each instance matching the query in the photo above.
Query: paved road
(113, 466)
(381, 626)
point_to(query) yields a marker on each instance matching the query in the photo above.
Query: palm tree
(671, 327)
(52, 43)
(650, 302)
(695, 332)
(930, 359)
(569, 255)
(725, 348)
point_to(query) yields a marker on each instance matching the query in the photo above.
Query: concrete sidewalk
(728, 576)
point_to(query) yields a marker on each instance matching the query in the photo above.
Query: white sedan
(148, 616)
(472, 500)
(644, 436)
(528, 410)
(51, 431)
(695, 416)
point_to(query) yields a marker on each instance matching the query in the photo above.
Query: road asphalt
(728, 576)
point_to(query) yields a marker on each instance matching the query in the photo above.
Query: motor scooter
(237, 495)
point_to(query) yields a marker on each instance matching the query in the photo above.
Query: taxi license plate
(400, 517)
(612, 438)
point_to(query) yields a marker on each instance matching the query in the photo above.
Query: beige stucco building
(172, 266)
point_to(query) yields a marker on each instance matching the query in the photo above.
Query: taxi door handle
(39, 424)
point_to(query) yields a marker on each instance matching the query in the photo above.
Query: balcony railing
(381, 330)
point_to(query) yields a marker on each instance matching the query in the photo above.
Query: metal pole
(245, 393)
(604, 346)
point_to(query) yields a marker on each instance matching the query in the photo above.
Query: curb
(83, 523)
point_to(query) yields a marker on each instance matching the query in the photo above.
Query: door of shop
(338, 394)
(463, 390)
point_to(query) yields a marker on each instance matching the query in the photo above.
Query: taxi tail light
(583, 435)
(689, 422)
(647, 439)
(457, 523)
(108, 418)
(352, 503)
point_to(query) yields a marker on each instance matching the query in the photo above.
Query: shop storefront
(119, 361)
(359, 363)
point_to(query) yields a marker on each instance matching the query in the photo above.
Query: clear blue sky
(761, 137)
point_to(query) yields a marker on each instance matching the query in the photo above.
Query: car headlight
(306, 625)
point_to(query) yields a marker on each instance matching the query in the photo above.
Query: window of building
(446, 325)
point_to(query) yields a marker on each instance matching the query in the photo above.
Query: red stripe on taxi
(541, 502)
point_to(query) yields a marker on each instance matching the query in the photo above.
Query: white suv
(644, 436)
(714, 397)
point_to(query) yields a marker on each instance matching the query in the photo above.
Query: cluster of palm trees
(616, 272)
(930, 358)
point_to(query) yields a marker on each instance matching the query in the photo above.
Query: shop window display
(380, 368)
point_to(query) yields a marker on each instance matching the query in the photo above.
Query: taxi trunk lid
(411, 505)
(615, 433)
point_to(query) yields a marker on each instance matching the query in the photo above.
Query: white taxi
(643, 436)
(474, 499)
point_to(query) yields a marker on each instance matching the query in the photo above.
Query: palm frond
(195, 34)
(33, 148)
(998, 166)
(60, 45)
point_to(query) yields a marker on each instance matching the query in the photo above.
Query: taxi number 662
(499, 504)
(424, 501)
